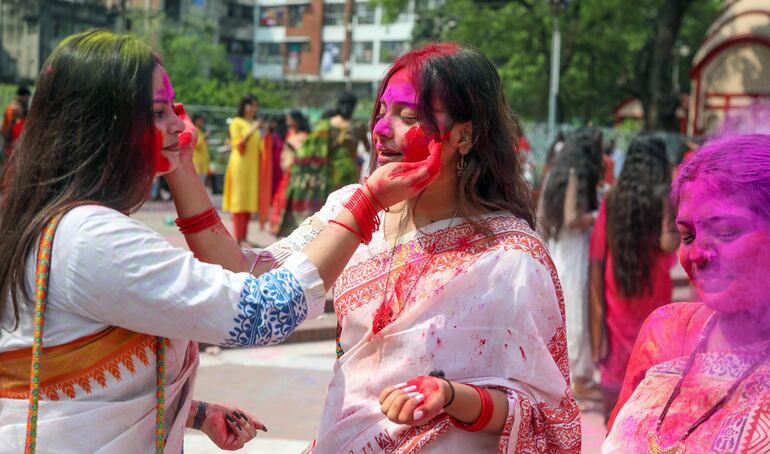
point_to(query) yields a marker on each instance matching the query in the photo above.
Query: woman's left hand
(415, 402)
(230, 427)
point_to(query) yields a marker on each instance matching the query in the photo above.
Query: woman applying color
(105, 309)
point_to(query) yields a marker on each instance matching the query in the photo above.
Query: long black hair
(470, 88)
(582, 152)
(89, 136)
(635, 213)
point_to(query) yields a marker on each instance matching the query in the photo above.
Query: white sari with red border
(487, 310)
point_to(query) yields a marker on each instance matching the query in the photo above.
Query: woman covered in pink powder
(631, 258)
(699, 375)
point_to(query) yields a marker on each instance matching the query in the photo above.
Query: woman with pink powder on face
(699, 373)
(454, 280)
(109, 307)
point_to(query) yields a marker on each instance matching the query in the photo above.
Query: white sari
(485, 310)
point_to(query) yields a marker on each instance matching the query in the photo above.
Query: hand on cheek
(396, 182)
(187, 138)
(415, 402)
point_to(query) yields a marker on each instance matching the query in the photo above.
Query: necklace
(654, 445)
(386, 313)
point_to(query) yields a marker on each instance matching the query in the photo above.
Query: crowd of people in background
(279, 169)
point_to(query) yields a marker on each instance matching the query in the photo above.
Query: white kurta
(108, 270)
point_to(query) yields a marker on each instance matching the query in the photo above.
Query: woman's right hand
(395, 182)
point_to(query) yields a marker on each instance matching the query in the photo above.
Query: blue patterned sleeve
(273, 305)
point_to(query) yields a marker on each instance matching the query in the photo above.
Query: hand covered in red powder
(229, 427)
(415, 402)
(187, 138)
(398, 181)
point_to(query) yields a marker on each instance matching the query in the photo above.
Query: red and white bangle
(487, 409)
(199, 222)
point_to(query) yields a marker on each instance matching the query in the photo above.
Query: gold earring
(461, 165)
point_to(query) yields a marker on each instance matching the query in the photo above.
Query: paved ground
(284, 385)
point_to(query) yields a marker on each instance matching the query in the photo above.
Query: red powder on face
(432, 164)
(416, 147)
(153, 140)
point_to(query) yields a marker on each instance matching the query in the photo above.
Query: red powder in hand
(185, 139)
(426, 385)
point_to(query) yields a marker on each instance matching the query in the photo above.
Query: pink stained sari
(670, 334)
(485, 310)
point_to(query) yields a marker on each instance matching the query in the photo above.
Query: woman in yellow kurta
(241, 197)
(201, 153)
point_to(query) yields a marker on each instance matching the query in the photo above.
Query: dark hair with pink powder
(469, 86)
(737, 166)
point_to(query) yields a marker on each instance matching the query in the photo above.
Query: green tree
(198, 66)
(611, 50)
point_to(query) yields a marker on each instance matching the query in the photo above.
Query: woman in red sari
(631, 258)
(699, 376)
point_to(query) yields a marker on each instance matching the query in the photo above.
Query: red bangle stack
(198, 222)
(382, 207)
(487, 408)
(365, 213)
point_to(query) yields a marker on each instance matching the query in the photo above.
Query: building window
(334, 52)
(269, 54)
(296, 12)
(334, 14)
(271, 16)
(332, 55)
(294, 55)
(243, 12)
(363, 52)
(365, 13)
(391, 50)
(238, 46)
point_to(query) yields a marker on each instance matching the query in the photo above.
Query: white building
(307, 39)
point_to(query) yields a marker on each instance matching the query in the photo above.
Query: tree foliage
(608, 49)
(198, 66)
